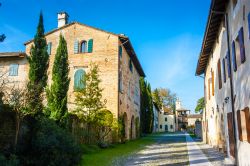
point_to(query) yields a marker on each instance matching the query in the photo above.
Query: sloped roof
(215, 17)
(194, 115)
(124, 39)
(12, 54)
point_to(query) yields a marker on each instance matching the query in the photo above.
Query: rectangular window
(49, 46)
(248, 25)
(208, 84)
(224, 70)
(76, 47)
(166, 119)
(242, 119)
(120, 51)
(233, 57)
(213, 83)
(13, 70)
(242, 45)
(130, 65)
(237, 51)
(120, 82)
(160, 126)
(219, 74)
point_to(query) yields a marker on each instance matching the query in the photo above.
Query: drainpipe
(231, 89)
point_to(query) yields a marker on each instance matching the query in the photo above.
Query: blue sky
(166, 35)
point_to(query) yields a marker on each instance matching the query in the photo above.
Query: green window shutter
(76, 47)
(90, 45)
(49, 48)
(120, 51)
(78, 79)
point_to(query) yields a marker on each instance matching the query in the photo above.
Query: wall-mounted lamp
(226, 99)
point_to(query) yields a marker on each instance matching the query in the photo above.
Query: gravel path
(170, 149)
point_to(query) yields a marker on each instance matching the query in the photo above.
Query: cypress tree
(38, 63)
(57, 93)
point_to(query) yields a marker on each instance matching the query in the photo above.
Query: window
(130, 65)
(242, 45)
(171, 126)
(76, 47)
(79, 79)
(224, 70)
(219, 74)
(248, 25)
(160, 126)
(129, 88)
(243, 124)
(120, 82)
(208, 83)
(228, 66)
(166, 119)
(238, 50)
(90, 45)
(49, 48)
(120, 51)
(212, 82)
(13, 70)
(83, 47)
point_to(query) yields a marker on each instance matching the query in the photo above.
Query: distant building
(13, 69)
(181, 116)
(166, 121)
(192, 118)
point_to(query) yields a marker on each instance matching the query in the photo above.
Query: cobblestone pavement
(215, 157)
(169, 149)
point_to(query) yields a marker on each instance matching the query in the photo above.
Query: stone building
(225, 63)
(192, 118)
(120, 69)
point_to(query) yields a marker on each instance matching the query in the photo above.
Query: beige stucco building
(225, 63)
(120, 69)
(13, 70)
(166, 121)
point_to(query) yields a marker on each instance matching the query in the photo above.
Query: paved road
(169, 149)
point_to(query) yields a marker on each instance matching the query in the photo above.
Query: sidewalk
(196, 156)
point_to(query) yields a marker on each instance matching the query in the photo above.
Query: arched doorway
(132, 128)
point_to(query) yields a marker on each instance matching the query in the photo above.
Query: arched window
(83, 46)
(79, 79)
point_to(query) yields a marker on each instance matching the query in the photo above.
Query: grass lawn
(93, 156)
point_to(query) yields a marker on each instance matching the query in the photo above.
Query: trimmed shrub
(52, 145)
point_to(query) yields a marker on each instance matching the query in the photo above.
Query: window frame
(11, 70)
(86, 47)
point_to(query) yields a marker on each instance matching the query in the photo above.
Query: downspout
(231, 88)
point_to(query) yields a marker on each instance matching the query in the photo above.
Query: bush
(12, 161)
(52, 145)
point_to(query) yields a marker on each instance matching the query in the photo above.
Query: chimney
(62, 18)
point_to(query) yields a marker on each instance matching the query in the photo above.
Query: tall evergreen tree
(150, 115)
(57, 93)
(143, 105)
(38, 63)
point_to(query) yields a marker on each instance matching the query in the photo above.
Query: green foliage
(157, 99)
(38, 65)
(146, 107)
(167, 97)
(200, 105)
(137, 125)
(121, 128)
(91, 109)
(57, 93)
(11, 161)
(52, 145)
